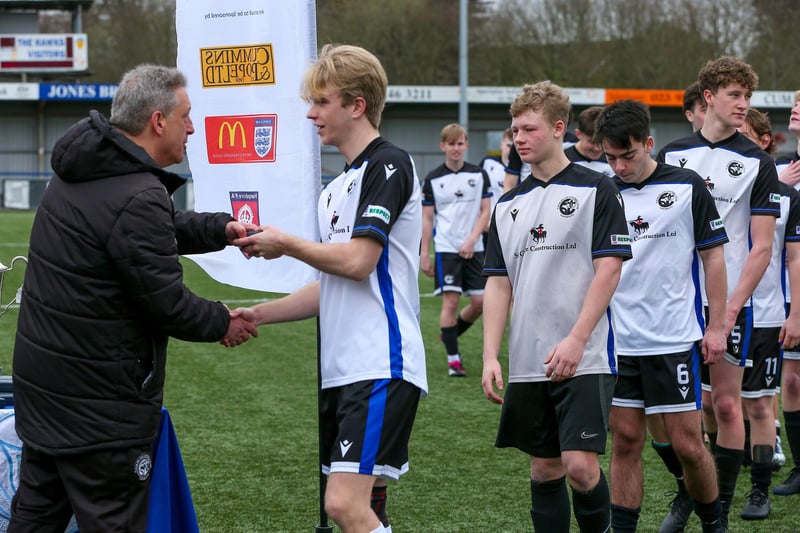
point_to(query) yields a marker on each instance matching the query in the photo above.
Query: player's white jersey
(657, 307)
(743, 181)
(456, 196)
(599, 165)
(496, 172)
(544, 238)
(370, 329)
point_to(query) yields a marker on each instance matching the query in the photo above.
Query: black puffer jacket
(103, 291)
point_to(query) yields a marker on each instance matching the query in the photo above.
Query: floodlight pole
(323, 526)
(463, 67)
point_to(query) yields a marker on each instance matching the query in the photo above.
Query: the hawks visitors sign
(44, 52)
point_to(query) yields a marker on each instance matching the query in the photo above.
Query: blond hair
(544, 97)
(352, 72)
(453, 132)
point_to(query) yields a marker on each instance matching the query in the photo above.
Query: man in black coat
(103, 292)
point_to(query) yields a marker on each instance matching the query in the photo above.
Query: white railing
(18, 294)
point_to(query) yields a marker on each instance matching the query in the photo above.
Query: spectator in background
(103, 293)
(456, 206)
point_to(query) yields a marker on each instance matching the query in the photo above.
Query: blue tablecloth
(171, 507)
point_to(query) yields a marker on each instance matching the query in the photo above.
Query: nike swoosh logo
(345, 446)
(585, 435)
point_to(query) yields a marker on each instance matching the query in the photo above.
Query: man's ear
(157, 120)
(359, 106)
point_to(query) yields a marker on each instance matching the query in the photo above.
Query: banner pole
(323, 526)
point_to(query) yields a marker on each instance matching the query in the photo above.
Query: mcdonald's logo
(231, 129)
(241, 139)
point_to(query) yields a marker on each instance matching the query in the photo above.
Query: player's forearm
(496, 302)
(716, 285)
(301, 304)
(753, 271)
(598, 297)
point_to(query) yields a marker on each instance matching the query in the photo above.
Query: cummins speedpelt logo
(248, 64)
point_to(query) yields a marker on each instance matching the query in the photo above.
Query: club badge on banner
(254, 154)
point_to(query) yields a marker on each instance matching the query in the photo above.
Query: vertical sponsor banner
(254, 154)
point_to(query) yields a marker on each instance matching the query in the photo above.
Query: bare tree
(125, 33)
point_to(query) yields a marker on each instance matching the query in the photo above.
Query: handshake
(241, 327)
(266, 241)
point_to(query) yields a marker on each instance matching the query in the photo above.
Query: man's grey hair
(142, 91)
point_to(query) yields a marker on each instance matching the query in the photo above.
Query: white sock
(451, 358)
(381, 529)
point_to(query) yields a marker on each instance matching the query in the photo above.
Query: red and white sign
(241, 138)
(44, 52)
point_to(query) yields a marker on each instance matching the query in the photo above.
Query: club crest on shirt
(567, 206)
(735, 168)
(666, 199)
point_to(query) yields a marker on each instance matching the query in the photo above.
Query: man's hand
(790, 174)
(267, 243)
(467, 249)
(426, 265)
(237, 230)
(790, 333)
(492, 374)
(562, 361)
(715, 342)
(239, 331)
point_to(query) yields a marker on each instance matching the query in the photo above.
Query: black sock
(791, 421)
(378, 504)
(761, 469)
(462, 325)
(748, 455)
(624, 519)
(550, 505)
(592, 508)
(667, 454)
(712, 441)
(729, 462)
(709, 514)
(450, 340)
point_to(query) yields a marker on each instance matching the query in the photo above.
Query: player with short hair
(743, 181)
(658, 326)
(455, 212)
(556, 242)
(372, 354)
